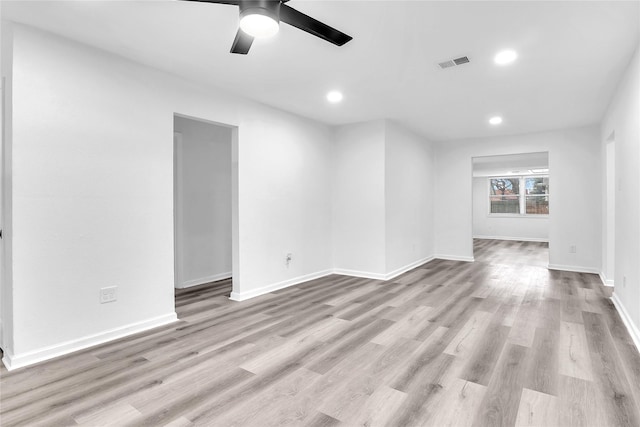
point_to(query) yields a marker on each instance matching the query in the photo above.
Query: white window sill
(536, 216)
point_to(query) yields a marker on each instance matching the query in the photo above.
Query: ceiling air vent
(447, 64)
(453, 62)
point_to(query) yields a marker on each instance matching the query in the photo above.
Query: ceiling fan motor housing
(270, 8)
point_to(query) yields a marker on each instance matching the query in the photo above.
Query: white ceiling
(571, 56)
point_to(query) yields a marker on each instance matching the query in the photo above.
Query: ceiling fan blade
(235, 2)
(242, 43)
(312, 26)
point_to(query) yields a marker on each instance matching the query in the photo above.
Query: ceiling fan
(261, 18)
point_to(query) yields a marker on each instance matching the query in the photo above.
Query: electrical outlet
(572, 249)
(288, 259)
(108, 294)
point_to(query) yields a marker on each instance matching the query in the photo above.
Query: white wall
(203, 202)
(574, 173)
(90, 195)
(623, 118)
(408, 198)
(485, 226)
(284, 200)
(6, 209)
(383, 200)
(93, 202)
(359, 199)
(609, 210)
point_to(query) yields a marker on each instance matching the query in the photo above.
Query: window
(537, 197)
(506, 197)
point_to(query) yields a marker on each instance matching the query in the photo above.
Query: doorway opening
(511, 206)
(608, 264)
(205, 188)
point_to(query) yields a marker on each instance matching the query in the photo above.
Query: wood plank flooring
(499, 342)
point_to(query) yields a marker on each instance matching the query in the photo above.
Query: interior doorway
(610, 211)
(203, 198)
(511, 202)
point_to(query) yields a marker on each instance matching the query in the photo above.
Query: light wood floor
(499, 342)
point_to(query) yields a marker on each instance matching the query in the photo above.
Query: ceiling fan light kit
(261, 18)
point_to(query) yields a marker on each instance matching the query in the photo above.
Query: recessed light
(334, 96)
(495, 120)
(505, 57)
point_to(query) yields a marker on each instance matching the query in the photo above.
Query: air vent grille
(447, 64)
(453, 62)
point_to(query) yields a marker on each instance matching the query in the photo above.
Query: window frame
(522, 196)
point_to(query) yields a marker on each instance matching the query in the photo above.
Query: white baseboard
(519, 239)
(203, 280)
(455, 258)
(383, 276)
(573, 268)
(626, 319)
(408, 267)
(14, 361)
(242, 296)
(605, 281)
(363, 274)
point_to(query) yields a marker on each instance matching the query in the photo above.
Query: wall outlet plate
(108, 294)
